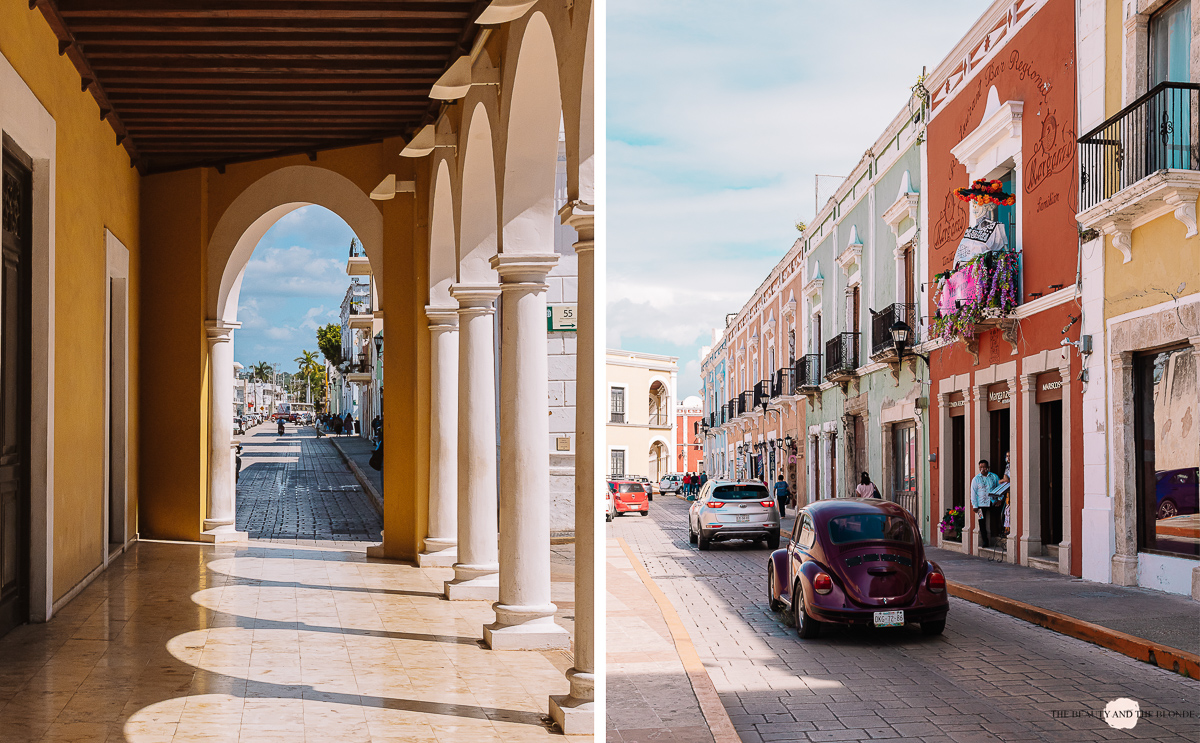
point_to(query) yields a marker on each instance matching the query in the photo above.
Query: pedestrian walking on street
(981, 499)
(687, 483)
(866, 488)
(703, 478)
(336, 426)
(781, 495)
(348, 423)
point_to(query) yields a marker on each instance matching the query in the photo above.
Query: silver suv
(727, 509)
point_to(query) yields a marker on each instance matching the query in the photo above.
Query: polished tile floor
(182, 642)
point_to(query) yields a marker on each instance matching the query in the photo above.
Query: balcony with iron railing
(762, 393)
(784, 384)
(882, 347)
(357, 264)
(841, 357)
(808, 373)
(1145, 158)
(746, 402)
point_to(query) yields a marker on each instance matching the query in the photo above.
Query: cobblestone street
(295, 489)
(990, 677)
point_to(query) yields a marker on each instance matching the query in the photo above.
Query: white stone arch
(534, 113)
(443, 255)
(261, 205)
(478, 210)
(574, 40)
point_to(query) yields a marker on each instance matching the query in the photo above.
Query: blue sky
(719, 114)
(294, 282)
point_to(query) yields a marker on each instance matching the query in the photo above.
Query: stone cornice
(1153, 196)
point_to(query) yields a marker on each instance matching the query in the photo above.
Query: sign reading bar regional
(560, 317)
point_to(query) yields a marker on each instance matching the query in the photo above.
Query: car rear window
(740, 492)
(631, 487)
(864, 527)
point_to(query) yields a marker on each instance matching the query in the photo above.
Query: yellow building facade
(640, 434)
(1139, 65)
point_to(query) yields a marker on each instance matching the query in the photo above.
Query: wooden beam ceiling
(210, 82)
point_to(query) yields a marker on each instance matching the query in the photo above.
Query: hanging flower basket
(987, 290)
(952, 523)
(986, 193)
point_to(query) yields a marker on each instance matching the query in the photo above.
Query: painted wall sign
(1049, 387)
(957, 404)
(998, 396)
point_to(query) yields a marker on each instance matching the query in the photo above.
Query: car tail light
(714, 504)
(936, 582)
(822, 584)
(767, 503)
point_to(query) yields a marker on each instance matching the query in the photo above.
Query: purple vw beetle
(857, 561)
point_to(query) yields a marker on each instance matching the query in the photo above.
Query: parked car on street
(725, 509)
(629, 496)
(856, 562)
(670, 484)
(645, 481)
(1177, 492)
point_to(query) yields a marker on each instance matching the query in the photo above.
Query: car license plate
(889, 619)
(743, 517)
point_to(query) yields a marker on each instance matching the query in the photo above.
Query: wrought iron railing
(881, 326)
(762, 392)
(808, 370)
(841, 353)
(1159, 130)
(745, 402)
(731, 410)
(785, 382)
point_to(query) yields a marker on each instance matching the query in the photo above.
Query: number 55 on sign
(560, 317)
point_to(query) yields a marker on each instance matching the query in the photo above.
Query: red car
(629, 496)
(858, 562)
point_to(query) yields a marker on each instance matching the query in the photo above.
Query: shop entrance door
(958, 461)
(860, 445)
(1052, 471)
(15, 351)
(999, 433)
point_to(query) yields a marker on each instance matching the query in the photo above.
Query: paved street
(989, 677)
(295, 489)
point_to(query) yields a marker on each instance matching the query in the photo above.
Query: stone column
(1068, 481)
(222, 508)
(575, 712)
(1125, 559)
(442, 533)
(1031, 508)
(979, 425)
(524, 612)
(476, 572)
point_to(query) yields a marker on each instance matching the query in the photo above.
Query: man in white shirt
(981, 498)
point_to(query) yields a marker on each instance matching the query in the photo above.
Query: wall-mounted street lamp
(900, 335)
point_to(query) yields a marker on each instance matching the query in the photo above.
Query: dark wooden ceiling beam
(266, 27)
(250, 58)
(301, 42)
(385, 89)
(265, 9)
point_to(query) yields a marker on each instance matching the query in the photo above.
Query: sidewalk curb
(367, 485)
(1138, 648)
(715, 715)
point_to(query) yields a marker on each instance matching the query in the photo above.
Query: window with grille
(618, 405)
(617, 465)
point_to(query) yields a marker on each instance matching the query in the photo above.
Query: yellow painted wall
(1162, 262)
(181, 210)
(95, 188)
(1114, 43)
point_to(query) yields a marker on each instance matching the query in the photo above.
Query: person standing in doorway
(866, 488)
(782, 492)
(348, 423)
(981, 499)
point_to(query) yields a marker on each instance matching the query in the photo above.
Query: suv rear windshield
(630, 487)
(740, 492)
(866, 527)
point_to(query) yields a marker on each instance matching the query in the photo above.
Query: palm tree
(309, 367)
(262, 370)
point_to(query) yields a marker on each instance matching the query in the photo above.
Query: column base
(573, 716)
(1124, 570)
(539, 635)
(1030, 547)
(1064, 557)
(473, 583)
(222, 532)
(438, 553)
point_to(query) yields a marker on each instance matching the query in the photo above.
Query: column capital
(523, 268)
(475, 298)
(580, 215)
(220, 331)
(1195, 341)
(1029, 383)
(442, 318)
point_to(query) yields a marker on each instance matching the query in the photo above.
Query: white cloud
(717, 122)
